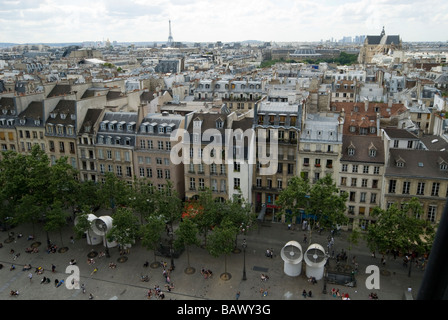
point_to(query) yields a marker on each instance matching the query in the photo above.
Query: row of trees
(33, 191)
(401, 229)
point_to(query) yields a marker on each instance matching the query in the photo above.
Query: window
(372, 153)
(344, 167)
(201, 184)
(352, 196)
(373, 198)
(392, 186)
(258, 183)
(420, 188)
(376, 170)
(119, 172)
(362, 197)
(435, 189)
(236, 183)
(192, 184)
(406, 187)
(355, 168)
(432, 212)
(364, 183)
(351, 151)
(160, 145)
(354, 182)
(365, 169)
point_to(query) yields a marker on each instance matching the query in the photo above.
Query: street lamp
(244, 254)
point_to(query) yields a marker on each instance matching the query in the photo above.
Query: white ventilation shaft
(315, 259)
(292, 255)
(101, 226)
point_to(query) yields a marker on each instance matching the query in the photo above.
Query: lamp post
(244, 255)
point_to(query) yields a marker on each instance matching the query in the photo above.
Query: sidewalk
(123, 282)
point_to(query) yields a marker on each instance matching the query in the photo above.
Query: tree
(205, 212)
(124, 229)
(327, 203)
(113, 192)
(143, 198)
(400, 229)
(295, 197)
(56, 219)
(187, 236)
(238, 212)
(83, 224)
(221, 243)
(151, 233)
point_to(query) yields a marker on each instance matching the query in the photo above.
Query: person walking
(30, 275)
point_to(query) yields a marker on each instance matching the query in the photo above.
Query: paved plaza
(124, 281)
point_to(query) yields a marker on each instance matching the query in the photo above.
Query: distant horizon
(192, 42)
(129, 21)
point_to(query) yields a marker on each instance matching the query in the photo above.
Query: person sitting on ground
(264, 292)
(72, 262)
(26, 267)
(146, 264)
(30, 237)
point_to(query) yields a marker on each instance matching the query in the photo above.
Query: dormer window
(219, 124)
(351, 151)
(399, 164)
(197, 123)
(63, 116)
(73, 117)
(53, 115)
(37, 122)
(372, 152)
(443, 166)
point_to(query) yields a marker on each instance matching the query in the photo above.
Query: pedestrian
(56, 281)
(304, 238)
(237, 295)
(72, 240)
(304, 294)
(30, 275)
(168, 280)
(53, 268)
(310, 293)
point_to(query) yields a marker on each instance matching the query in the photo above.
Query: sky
(63, 21)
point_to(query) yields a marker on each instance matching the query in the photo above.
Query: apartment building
(361, 170)
(207, 166)
(279, 125)
(115, 142)
(417, 173)
(8, 119)
(86, 146)
(320, 146)
(30, 127)
(152, 153)
(60, 132)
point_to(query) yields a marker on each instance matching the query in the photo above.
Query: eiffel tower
(170, 37)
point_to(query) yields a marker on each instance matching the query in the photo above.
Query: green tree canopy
(400, 229)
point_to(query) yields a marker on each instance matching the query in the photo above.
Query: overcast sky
(46, 21)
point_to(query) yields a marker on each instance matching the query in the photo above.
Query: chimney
(366, 104)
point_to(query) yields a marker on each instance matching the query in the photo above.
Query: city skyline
(48, 21)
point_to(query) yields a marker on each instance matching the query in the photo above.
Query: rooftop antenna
(170, 37)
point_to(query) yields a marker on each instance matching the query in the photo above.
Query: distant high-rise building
(170, 37)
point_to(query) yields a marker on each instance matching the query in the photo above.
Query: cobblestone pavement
(124, 281)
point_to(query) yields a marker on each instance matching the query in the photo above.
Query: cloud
(212, 20)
